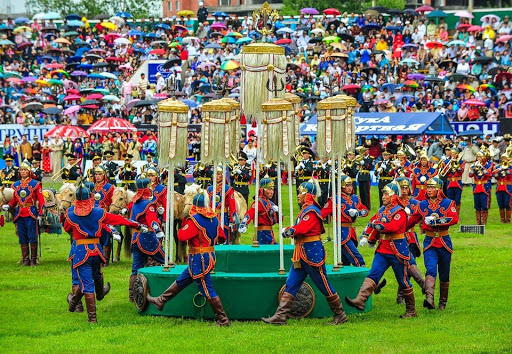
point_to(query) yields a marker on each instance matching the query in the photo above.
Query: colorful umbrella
(55, 66)
(182, 28)
(424, 8)
(94, 96)
(65, 131)
(351, 88)
(229, 65)
(437, 14)
(111, 124)
(217, 25)
(72, 98)
(411, 83)
(283, 41)
(234, 34)
(185, 13)
(111, 98)
(330, 39)
(464, 14)
(463, 26)
(466, 87)
(15, 80)
(72, 109)
(157, 51)
(55, 82)
(60, 71)
(416, 76)
(309, 11)
(42, 83)
(504, 38)
(432, 45)
(487, 86)
(475, 28)
(12, 74)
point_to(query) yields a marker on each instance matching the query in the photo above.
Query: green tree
(89, 9)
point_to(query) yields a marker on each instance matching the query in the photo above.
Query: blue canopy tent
(392, 123)
(402, 123)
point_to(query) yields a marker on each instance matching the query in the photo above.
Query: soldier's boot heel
(400, 297)
(336, 306)
(33, 254)
(75, 299)
(410, 304)
(25, 255)
(281, 315)
(364, 293)
(220, 313)
(418, 278)
(101, 289)
(90, 303)
(167, 295)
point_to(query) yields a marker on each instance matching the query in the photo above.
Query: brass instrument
(477, 167)
(348, 163)
(128, 167)
(508, 151)
(200, 166)
(233, 164)
(66, 168)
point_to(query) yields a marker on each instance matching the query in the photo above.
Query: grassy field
(34, 316)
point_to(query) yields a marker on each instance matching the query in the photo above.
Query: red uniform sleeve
(231, 204)
(188, 230)
(327, 209)
(162, 200)
(250, 214)
(308, 226)
(398, 223)
(415, 217)
(113, 219)
(152, 219)
(40, 197)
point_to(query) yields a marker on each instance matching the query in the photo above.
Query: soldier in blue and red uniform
(481, 188)
(503, 175)
(454, 178)
(410, 204)
(267, 213)
(28, 203)
(145, 244)
(230, 216)
(308, 257)
(159, 191)
(201, 229)
(85, 222)
(436, 214)
(270, 171)
(388, 227)
(351, 209)
(420, 175)
(403, 166)
(103, 193)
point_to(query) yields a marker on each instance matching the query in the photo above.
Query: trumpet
(233, 164)
(66, 169)
(200, 166)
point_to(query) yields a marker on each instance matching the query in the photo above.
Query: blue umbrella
(51, 16)
(73, 17)
(390, 87)
(50, 34)
(82, 51)
(287, 50)
(76, 23)
(410, 45)
(135, 33)
(47, 57)
(124, 14)
(244, 40)
(81, 43)
(400, 98)
(213, 46)
(151, 35)
(21, 20)
(220, 14)
(393, 28)
(437, 14)
(285, 30)
(471, 132)
(371, 26)
(94, 75)
(163, 26)
(84, 66)
(75, 58)
(190, 103)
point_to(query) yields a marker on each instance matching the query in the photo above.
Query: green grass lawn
(478, 318)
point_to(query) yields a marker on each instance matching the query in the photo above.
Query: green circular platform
(246, 279)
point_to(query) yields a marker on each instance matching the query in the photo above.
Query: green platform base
(246, 294)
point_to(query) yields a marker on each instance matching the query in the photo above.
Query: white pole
(169, 220)
(214, 190)
(256, 197)
(334, 216)
(290, 196)
(223, 198)
(280, 218)
(338, 227)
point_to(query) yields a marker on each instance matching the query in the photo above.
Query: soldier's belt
(309, 239)
(346, 224)
(421, 186)
(364, 171)
(242, 183)
(199, 250)
(7, 182)
(437, 233)
(453, 179)
(391, 237)
(175, 184)
(386, 178)
(323, 180)
(203, 178)
(87, 241)
(305, 177)
(128, 181)
(504, 183)
(265, 228)
(72, 181)
(479, 182)
(26, 205)
(273, 177)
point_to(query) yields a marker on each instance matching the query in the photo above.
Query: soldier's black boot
(400, 297)
(379, 286)
(167, 295)
(364, 293)
(75, 299)
(25, 255)
(33, 254)
(218, 309)
(410, 305)
(416, 275)
(336, 306)
(285, 305)
(90, 303)
(430, 286)
(444, 286)
(101, 289)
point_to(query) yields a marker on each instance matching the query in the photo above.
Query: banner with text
(19, 130)
(492, 128)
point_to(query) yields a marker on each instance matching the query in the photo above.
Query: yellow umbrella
(42, 83)
(234, 34)
(331, 39)
(109, 25)
(62, 41)
(185, 13)
(21, 29)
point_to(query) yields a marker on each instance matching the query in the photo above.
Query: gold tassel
(172, 130)
(277, 141)
(216, 135)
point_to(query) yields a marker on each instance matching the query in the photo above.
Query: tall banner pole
(335, 217)
(255, 242)
(223, 199)
(290, 196)
(338, 227)
(280, 217)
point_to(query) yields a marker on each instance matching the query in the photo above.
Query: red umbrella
(504, 38)
(474, 102)
(111, 124)
(183, 28)
(90, 106)
(284, 41)
(114, 59)
(15, 80)
(351, 88)
(65, 131)
(73, 91)
(112, 36)
(331, 11)
(94, 96)
(72, 97)
(55, 66)
(432, 45)
(464, 25)
(424, 8)
(157, 51)
(475, 28)
(506, 75)
(23, 45)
